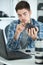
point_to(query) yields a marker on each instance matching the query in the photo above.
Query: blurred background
(8, 13)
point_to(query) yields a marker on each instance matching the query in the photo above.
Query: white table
(30, 61)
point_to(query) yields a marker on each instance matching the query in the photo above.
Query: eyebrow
(23, 13)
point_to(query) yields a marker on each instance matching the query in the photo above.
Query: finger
(37, 29)
(35, 33)
(32, 32)
(18, 28)
(22, 24)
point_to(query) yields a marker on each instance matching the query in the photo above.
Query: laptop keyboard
(18, 55)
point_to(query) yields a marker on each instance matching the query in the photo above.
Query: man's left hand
(33, 33)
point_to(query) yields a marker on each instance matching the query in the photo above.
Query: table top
(30, 61)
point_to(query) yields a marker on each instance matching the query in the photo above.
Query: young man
(19, 36)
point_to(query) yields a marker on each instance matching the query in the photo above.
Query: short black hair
(22, 4)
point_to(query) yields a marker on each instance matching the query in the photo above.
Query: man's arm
(40, 34)
(12, 43)
(25, 40)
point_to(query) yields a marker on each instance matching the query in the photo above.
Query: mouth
(24, 21)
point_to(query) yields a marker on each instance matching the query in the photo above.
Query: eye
(25, 13)
(19, 15)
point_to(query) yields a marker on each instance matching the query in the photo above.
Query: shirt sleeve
(12, 44)
(40, 34)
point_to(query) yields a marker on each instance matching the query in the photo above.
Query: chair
(40, 18)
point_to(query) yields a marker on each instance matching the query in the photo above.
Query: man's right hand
(20, 27)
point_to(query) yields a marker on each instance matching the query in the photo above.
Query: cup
(39, 51)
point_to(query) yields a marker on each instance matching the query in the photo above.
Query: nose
(23, 17)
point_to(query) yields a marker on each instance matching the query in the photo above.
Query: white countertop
(30, 61)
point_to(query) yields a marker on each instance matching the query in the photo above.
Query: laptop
(10, 55)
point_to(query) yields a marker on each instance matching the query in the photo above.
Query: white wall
(8, 6)
(33, 5)
(5, 6)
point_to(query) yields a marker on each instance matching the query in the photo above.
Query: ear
(30, 12)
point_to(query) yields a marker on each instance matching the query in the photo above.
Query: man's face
(24, 15)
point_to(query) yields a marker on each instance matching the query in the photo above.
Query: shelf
(40, 6)
(40, 18)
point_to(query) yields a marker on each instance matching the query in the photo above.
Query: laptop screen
(2, 44)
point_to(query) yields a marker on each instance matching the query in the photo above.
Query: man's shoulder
(36, 21)
(14, 22)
